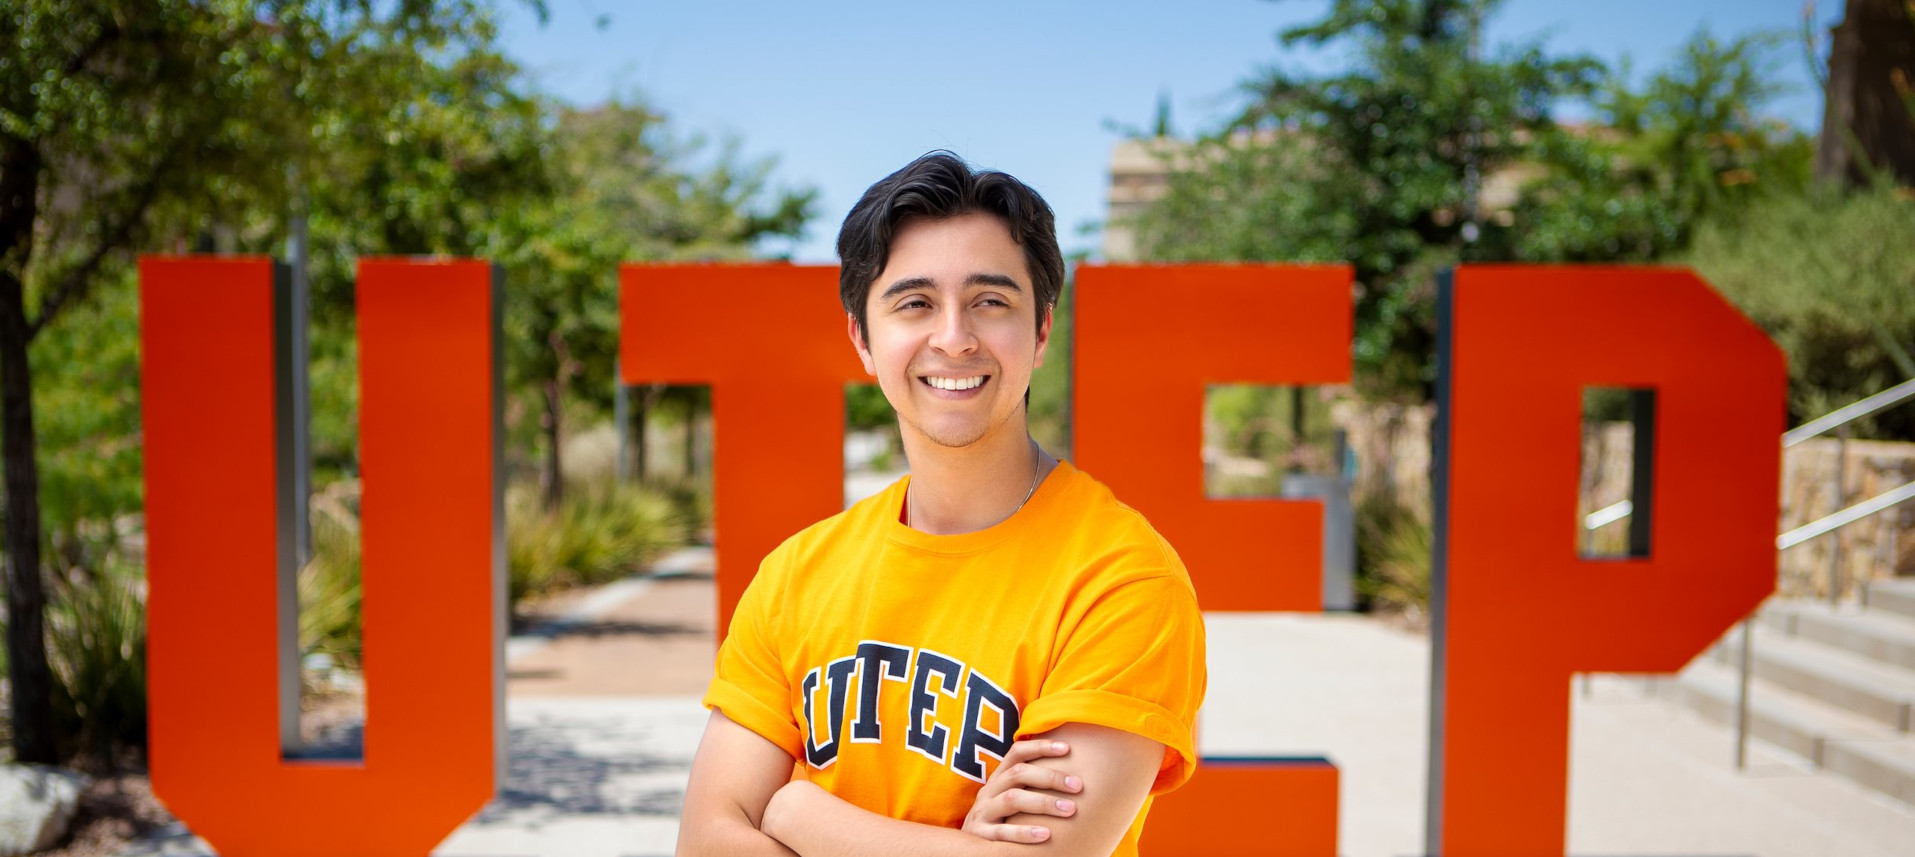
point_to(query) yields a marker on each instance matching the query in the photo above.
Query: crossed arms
(742, 801)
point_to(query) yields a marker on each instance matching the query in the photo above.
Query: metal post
(622, 418)
(1840, 502)
(1742, 700)
(1296, 427)
(1472, 176)
(297, 258)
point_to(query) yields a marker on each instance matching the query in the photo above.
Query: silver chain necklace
(1037, 468)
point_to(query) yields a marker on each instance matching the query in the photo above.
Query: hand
(784, 805)
(1010, 791)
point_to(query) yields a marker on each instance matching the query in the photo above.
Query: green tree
(1420, 156)
(423, 152)
(623, 190)
(1375, 165)
(130, 124)
(1659, 159)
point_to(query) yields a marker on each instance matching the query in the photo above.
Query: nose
(954, 335)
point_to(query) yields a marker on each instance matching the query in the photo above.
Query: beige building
(1139, 175)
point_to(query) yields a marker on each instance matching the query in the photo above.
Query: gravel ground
(113, 810)
(117, 808)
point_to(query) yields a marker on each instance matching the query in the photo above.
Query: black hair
(938, 185)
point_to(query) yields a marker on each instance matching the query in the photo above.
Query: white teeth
(954, 383)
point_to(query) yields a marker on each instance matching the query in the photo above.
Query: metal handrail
(1813, 428)
(1608, 515)
(1845, 517)
(1617, 511)
(1836, 420)
(1843, 416)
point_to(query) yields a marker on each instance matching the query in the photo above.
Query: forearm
(816, 823)
(725, 836)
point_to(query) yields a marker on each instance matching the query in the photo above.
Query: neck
(963, 490)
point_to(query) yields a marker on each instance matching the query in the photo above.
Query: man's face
(952, 328)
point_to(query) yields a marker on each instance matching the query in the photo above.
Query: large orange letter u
(221, 617)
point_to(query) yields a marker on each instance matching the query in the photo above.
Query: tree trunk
(554, 473)
(1866, 121)
(691, 437)
(27, 670)
(641, 415)
(635, 431)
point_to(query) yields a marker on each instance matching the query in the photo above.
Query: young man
(992, 655)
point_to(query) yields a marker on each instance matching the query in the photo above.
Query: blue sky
(844, 91)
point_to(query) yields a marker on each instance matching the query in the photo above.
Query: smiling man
(993, 654)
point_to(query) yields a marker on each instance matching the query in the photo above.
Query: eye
(914, 303)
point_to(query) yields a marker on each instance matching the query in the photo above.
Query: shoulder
(1111, 535)
(853, 528)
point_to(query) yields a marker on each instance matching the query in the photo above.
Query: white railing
(1836, 421)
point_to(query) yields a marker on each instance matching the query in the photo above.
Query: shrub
(691, 500)
(329, 591)
(603, 530)
(96, 646)
(1828, 276)
(1394, 548)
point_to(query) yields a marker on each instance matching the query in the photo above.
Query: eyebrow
(980, 279)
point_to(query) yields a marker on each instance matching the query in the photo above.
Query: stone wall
(1877, 546)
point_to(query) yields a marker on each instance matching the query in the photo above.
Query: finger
(1034, 748)
(1035, 803)
(1024, 833)
(1025, 775)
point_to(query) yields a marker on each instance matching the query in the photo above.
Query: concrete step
(1830, 739)
(1880, 636)
(1829, 675)
(1893, 596)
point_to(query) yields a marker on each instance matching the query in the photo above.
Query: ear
(857, 342)
(1043, 337)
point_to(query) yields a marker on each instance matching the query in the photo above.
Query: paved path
(1646, 778)
(655, 640)
(603, 716)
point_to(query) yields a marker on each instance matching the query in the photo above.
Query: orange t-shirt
(897, 667)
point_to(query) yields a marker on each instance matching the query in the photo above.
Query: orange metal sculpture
(1149, 340)
(1517, 611)
(770, 340)
(433, 573)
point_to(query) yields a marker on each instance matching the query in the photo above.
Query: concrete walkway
(603, 716)
(1646, 777)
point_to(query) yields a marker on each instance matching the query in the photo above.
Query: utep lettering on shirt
(926, 676)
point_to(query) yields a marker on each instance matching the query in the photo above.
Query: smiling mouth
(954, 384)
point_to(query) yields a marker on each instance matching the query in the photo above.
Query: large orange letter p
(1516, 610)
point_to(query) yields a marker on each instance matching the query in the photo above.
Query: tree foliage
(622, 189)
(1657, 160)
(400, 128)
(1417, 156)
(1368, 165)
(1828, 275)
